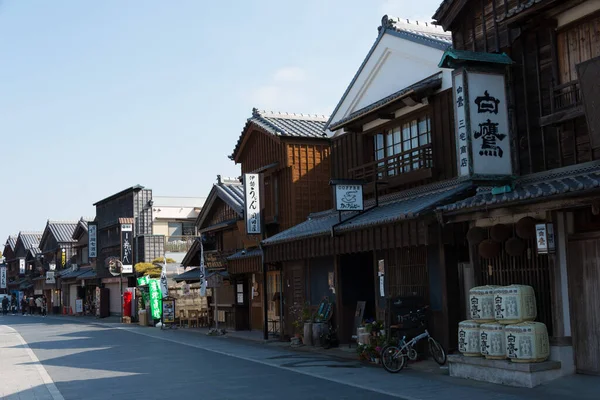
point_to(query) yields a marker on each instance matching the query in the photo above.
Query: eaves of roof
(119, 194)
(231, 194)
(386, 27)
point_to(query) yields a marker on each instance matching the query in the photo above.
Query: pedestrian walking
(39, 302)
(31, 305)
(5, 305)
(23, 306)
(44, 306)
(13, 305)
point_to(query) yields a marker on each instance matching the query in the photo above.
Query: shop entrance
(357, 284)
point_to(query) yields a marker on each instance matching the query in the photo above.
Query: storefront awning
(193, 275)
(88, 274)
(392, 208)
(544, 186)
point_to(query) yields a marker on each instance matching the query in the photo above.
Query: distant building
(174, 217)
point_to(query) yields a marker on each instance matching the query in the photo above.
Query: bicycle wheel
(391, 358)
(437, 351)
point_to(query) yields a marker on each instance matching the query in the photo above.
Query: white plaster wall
(395, 64)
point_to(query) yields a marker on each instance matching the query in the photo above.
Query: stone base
(504, 372)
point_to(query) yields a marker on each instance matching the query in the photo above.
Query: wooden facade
(354, 154)
(548, 121)
(552, 92)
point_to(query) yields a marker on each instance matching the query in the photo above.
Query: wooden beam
(386, 116)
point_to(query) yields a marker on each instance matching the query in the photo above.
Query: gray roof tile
(12, 242)
(35, 251)
(62, 230)
(230, 193)
(285, 125)
(394, 207)
(240, 255)
(539, 186)
(30, 239)
(421, 32)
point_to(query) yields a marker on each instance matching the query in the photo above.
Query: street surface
(57, 358)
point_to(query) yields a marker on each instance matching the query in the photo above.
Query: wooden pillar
(561, 326)
(445, 332)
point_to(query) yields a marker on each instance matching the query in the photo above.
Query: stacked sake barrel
(503, 316)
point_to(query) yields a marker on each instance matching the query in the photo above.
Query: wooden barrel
(308, 334)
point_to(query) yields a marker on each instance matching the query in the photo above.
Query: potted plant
(297, 323)
(307, 318)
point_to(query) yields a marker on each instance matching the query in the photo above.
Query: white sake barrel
(481, 303)
(514, 304)
(493, 341)
(468, 338)
(527, 342)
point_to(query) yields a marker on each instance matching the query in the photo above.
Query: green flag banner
(155, 298)
(143, 281)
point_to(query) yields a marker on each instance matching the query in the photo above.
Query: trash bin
(143, 316)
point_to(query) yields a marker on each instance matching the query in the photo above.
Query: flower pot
(317, 329)
(308, 333)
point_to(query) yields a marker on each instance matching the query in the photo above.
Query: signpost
(168, 312)
(127, 248)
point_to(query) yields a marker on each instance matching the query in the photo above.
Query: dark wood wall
(309, 170)
(544, 57)
(353, 149)
(221, 213)
(261, 149)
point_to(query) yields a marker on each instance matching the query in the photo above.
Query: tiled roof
(191, 275)
(62, 230)
(126, 220)
(431, 83)
(35, 251)
(69, 273)
(230, 193)
(245, 254)
(81, 228)
(30, 239)
(394, 207)
(573, 180)
(12, 242)
(420, 32)
(285, 125)
(88, 274)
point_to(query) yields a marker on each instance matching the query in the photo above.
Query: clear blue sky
(97, 96)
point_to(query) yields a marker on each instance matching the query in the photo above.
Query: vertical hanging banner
(3, 277)
(202, 271)
(252, 204)
(127, 248)
(483, 143)
(22, 266)
(92, 239)
(155, 298)
(63, 258)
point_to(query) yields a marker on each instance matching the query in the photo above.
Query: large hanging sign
(50, 279)
(3, 277)
(21, 266)
(544, 238)
(482, 128)
(63, 258)
(127, 248)
(252, 204)
(348, 197)
(92, 240)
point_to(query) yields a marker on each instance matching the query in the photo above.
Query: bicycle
(394, 357)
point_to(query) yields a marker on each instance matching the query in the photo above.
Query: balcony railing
(566, 96)
(396, 166)
(179, 244)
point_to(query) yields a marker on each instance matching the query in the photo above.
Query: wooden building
(57, 248)
(394, 131)
(12, 263)
(218, 225)
(129, 210)
(291, 152)
(548, 53)
(26, 272)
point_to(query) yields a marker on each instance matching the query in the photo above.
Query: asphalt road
(60, 358)
(89, 361)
